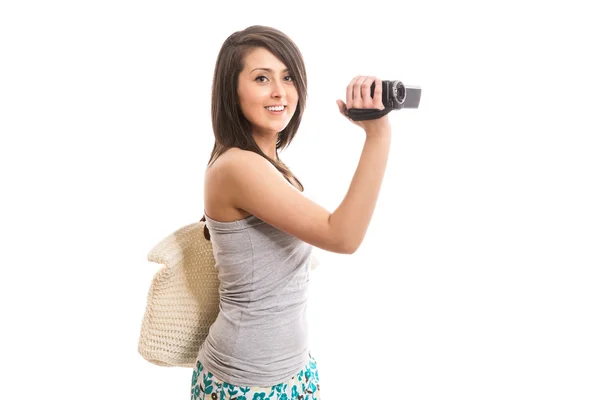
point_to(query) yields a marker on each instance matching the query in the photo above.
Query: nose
(277, 89)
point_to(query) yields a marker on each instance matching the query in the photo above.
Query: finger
(358, 101)
(349, 89)
(366, 92)
(377, 99)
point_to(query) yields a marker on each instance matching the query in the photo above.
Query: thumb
(341, 106)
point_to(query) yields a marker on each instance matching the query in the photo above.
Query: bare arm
(353, 216)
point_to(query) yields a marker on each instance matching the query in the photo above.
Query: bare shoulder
(217, 189)
(232, 158)
(256, 187)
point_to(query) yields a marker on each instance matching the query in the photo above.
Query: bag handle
(206, 232)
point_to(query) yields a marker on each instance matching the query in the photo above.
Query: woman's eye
(260, 78)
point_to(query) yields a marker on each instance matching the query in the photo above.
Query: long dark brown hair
(230, 126)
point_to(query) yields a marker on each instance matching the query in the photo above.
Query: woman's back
(260, 335)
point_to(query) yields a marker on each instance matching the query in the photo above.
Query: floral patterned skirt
(303, 386)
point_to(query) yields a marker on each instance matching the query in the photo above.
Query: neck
(268, 144)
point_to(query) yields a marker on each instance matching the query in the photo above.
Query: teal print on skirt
(304, 386)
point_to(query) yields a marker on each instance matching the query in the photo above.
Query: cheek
(294, 96)
(255, 104)
(295, 105)
(246, 97)
(250, 106)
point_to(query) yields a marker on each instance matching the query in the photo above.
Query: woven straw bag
(183, 299)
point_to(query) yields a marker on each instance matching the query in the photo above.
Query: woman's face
(264, 82)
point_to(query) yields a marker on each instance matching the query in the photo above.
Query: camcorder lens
(399, 92)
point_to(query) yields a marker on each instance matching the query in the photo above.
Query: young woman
(261, 225)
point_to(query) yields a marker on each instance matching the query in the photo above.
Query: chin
(273, 128)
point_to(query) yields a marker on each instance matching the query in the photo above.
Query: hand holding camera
(369, 98)
(358, 96)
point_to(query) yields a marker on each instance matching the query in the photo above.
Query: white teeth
(280, 108)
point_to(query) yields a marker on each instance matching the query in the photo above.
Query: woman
(261, 225)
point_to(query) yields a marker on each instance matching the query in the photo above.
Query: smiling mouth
(270, 109)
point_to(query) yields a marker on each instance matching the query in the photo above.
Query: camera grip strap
(364, 114)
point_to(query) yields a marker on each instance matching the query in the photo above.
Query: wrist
(379, 133)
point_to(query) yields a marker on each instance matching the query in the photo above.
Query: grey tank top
(260, 336)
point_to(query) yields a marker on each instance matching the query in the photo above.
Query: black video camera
(395, 96)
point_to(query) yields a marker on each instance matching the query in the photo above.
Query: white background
(478, 277)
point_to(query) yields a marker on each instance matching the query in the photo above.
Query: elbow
(351, 250)
(344, 242)
(348, 248)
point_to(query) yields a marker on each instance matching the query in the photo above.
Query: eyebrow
(268, 69)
